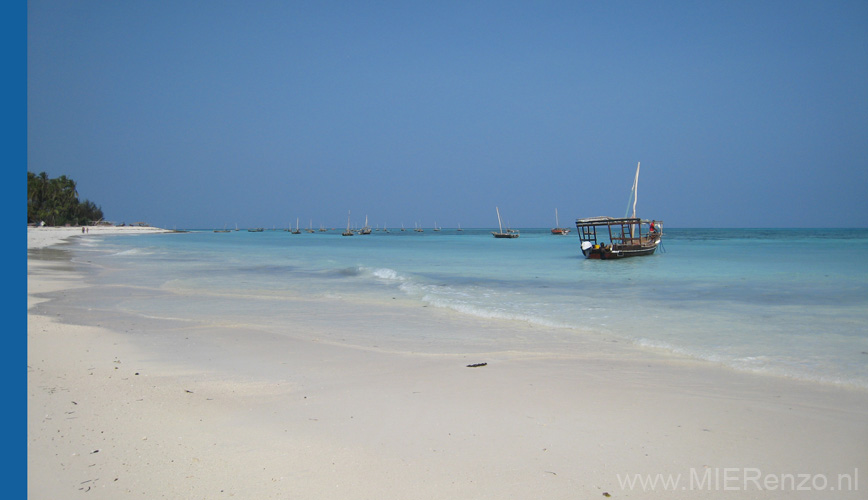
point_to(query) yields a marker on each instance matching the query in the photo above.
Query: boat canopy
(622, 230)
(606, 221)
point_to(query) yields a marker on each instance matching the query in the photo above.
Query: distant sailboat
(558, 229)
(367, 228)
(296, 227)
(510, 233)
(459, 227)
(348, 232)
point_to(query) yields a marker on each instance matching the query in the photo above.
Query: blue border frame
(15, 304)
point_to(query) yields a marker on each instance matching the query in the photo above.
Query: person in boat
(652, 227)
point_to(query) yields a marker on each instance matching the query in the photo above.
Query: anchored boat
(558, 229)
(627, 236)
(510, 233)
(348, 232)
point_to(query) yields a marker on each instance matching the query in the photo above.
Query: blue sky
(199, 114)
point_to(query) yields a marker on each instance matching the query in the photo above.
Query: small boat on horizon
(558, 229)
(510, 233)
(626, 236)
(366, 229)
(348, 232)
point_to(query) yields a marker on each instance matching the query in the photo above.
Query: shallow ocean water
(790, 302)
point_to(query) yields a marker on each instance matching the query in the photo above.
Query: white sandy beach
(41, 237)
(110, 417)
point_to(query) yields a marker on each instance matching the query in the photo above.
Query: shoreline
(46, 236)
(110, 415)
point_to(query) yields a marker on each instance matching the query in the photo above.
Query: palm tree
(55, 201)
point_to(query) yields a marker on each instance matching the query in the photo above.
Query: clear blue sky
(198, 114)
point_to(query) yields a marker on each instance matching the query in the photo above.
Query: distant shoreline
(45, 236)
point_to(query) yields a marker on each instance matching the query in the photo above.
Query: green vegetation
(55, 201)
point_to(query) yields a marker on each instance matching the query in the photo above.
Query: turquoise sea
(781, 302)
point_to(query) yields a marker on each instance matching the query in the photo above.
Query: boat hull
(609, 253)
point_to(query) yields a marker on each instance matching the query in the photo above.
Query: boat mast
(500, 224)
(633, 197)
(636, 188)
(633, 194)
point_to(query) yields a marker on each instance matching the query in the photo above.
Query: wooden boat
(558, 229)
(348, 232)
(628, 236)
(510, 233)
(256, 230)
(366, 229)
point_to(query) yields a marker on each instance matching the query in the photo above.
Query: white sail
(633, 194)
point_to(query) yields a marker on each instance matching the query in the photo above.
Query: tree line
(55, 202)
